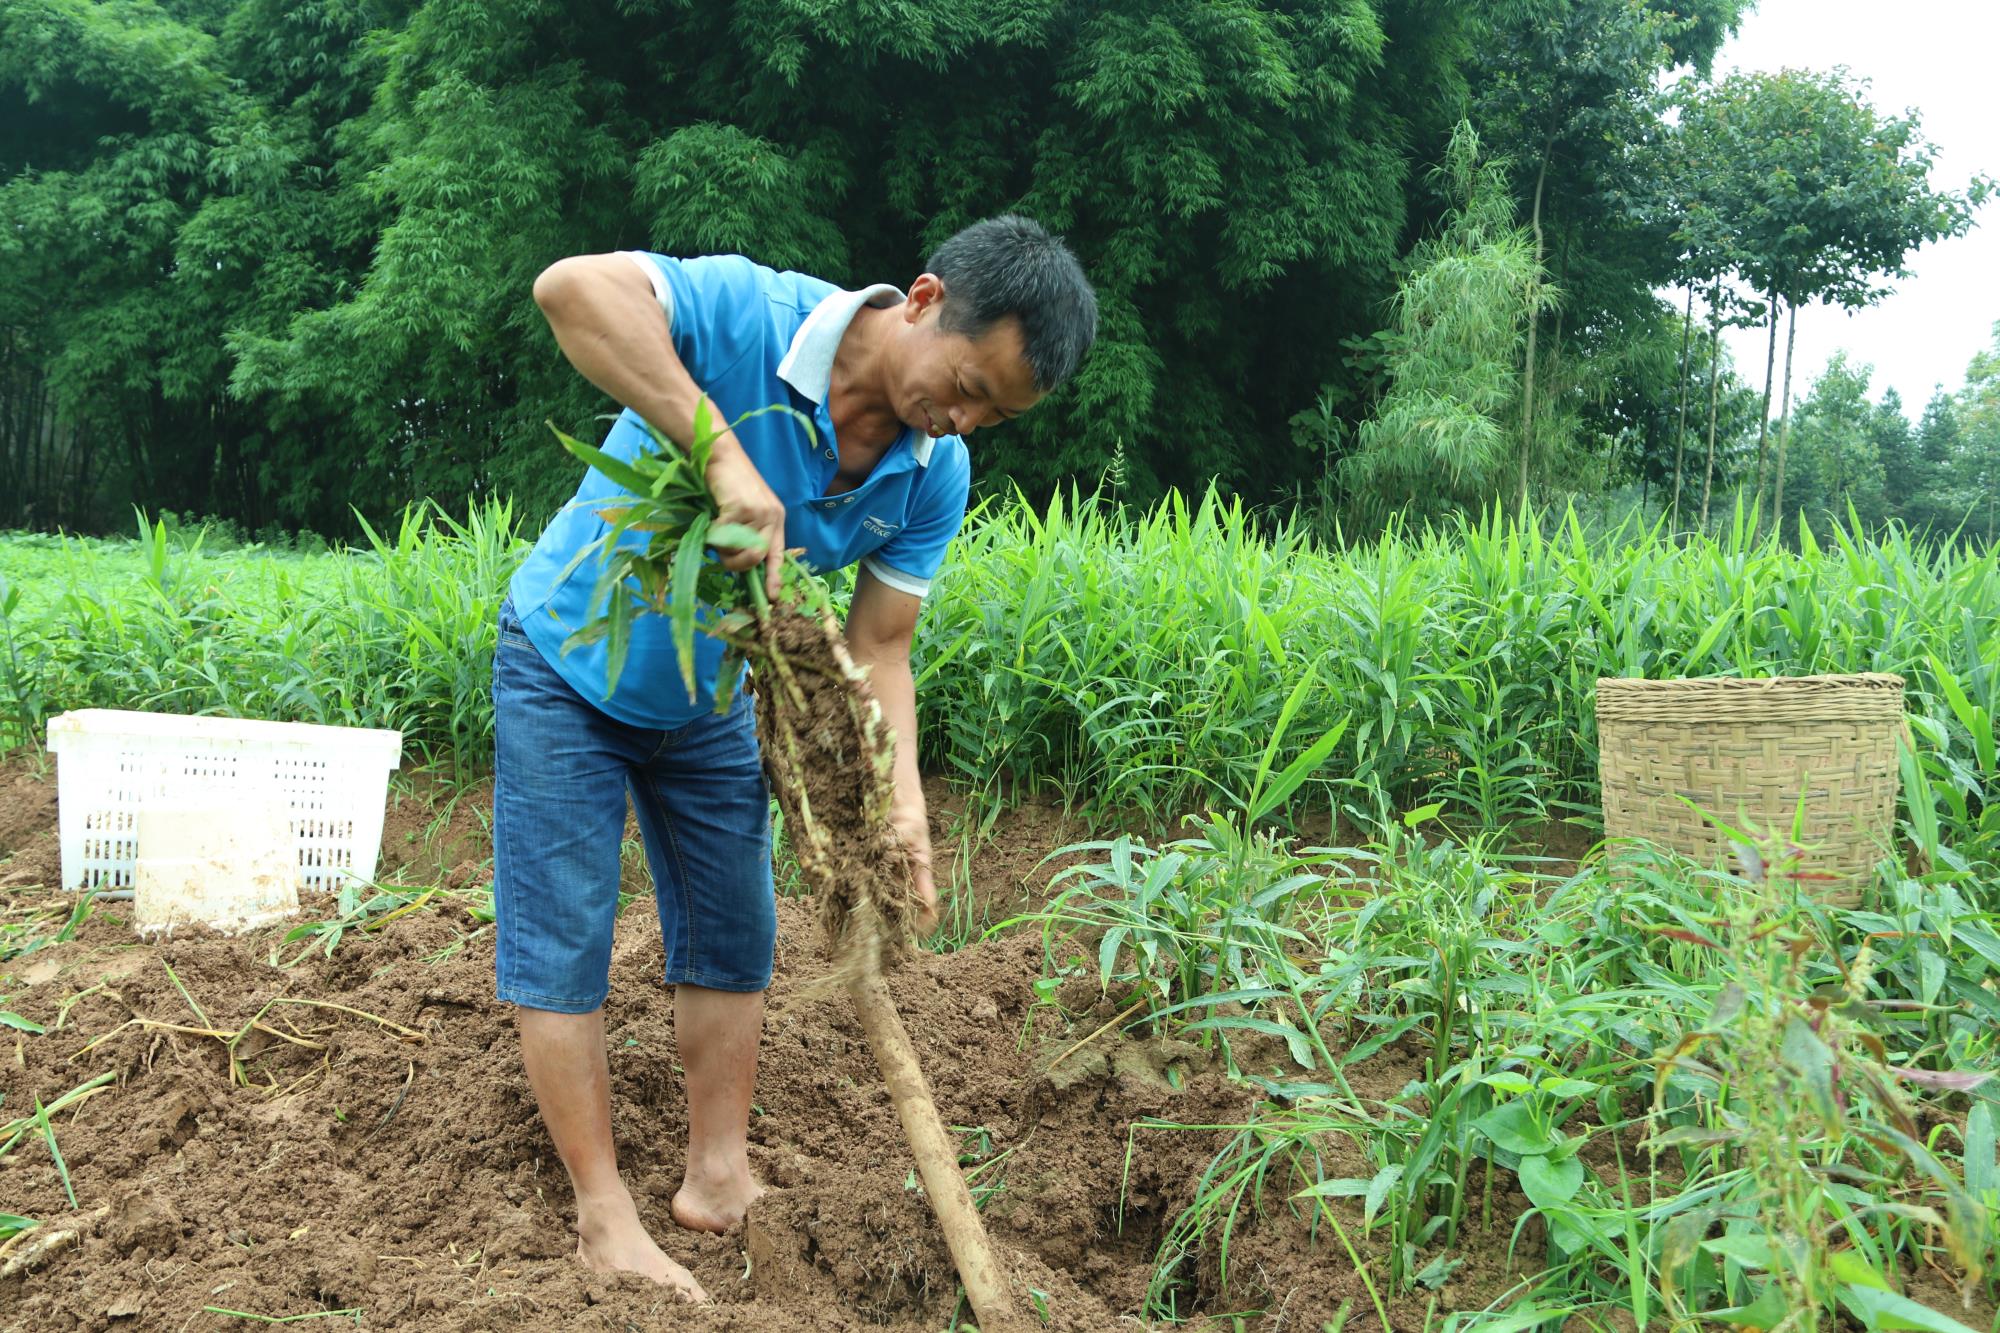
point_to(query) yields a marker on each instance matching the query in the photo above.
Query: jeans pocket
(512, 634)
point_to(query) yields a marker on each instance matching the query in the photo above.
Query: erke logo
(878, 527)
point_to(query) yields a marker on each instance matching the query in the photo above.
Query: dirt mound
(393, 1162)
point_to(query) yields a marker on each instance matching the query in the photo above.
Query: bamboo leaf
(735, 537)
(617, 470)
(618, 638)
(49, 1137)
(683, 605)
(1378, 1190)
(1982, 1154)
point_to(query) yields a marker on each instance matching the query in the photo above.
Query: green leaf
(1886, 1310)
(1851, 1267)
(1351, 1188)
(12, 1224)
(1918, 799)
(1298, 771)
(13, 1020)
(1519, 1319)
(1930, 975)
(1568, 1087)
(1378, 1190)
(618, 638)
(1438, 1272)
(1767, 1311)
(1706, 644)
(1982, 1154)
(735, 537)
(1692, 1136)
(683, 605)
(1729, 1002)
(1682, 1238)
(1414, 817)
(1805, 1052)
(617, 470)
(1244, 1023)
(1549, 1183)
(1971, 715)
(49, 1137)
(1107, 953)
(1512, 1127)
(1751, 1251)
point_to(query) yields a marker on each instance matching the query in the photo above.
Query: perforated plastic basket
(333, 780)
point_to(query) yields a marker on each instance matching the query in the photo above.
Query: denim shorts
(562, 770)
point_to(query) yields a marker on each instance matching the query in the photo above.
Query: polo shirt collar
(808, 362)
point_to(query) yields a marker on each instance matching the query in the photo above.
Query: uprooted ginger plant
(827, 752)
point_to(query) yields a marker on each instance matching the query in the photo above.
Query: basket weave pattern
(1743, 750)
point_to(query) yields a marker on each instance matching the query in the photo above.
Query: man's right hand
(609, 324)
(741, 496)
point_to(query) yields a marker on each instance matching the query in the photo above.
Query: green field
(1123, 661)
(1720, 1098)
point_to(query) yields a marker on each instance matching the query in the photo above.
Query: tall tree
(1934, 505)
(1896, 445)
(294, 242)
(1567, 92)
(1822, 198)
(1976, 465)
(1837, 468)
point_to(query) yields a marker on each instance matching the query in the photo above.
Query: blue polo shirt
(750, 337)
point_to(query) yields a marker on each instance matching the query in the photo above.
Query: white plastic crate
(334, 781)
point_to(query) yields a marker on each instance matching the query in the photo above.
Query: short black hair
(1011, 265)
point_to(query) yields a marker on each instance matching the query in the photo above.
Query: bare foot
(715, 1203)
(614, 1240)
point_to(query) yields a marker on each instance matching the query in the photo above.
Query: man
(892, 381)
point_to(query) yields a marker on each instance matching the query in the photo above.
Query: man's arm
(608, 323)
(880, 624)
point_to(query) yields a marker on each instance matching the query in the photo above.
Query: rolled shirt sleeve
(909, 560)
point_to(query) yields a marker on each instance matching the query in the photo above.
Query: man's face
(948, 384)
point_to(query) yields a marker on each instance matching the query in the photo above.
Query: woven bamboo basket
(1744, 750)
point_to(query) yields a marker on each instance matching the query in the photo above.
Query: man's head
(1002, 315)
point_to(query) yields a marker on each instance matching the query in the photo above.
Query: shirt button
(830, 453)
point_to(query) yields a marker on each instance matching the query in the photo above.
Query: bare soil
(380, 1150)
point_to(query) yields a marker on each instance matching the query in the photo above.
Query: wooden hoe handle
(937, 1159)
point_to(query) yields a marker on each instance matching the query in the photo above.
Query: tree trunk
(1784, 428)
(1680, 429)
(1534, 321)
(1714, 387)
(1764, 418)
(1645, 479)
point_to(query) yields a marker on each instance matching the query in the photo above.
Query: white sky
(1936, 57)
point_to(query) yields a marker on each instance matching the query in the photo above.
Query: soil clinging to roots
(829, 757)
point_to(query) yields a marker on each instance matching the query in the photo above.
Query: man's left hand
(914, 831)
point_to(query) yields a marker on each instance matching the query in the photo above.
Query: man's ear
(925, 293)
